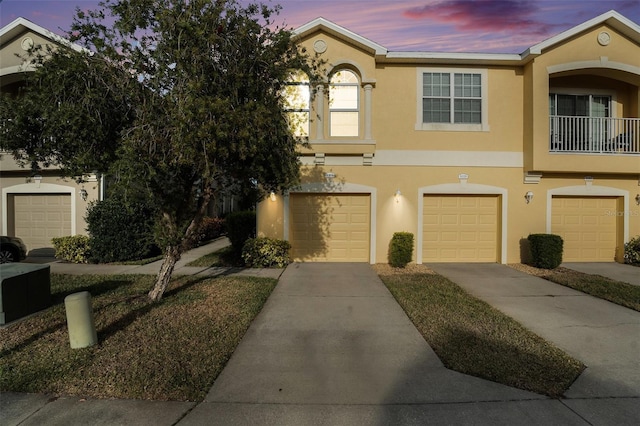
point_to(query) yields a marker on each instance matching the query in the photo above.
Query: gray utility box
(25, 289)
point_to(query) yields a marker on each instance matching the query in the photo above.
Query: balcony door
(579, 121)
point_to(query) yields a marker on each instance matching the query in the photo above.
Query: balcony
(594, 135)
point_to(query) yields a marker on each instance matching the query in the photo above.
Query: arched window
(296, 102)
(344, 104)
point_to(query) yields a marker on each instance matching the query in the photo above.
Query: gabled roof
(612, 18)
(20, 25)
(341, 33)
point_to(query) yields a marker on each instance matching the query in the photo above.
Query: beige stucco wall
(24, 184)
(518, 124)
(522, 218)
(582, 61)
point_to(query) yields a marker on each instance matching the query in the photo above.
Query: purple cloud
(483, 16)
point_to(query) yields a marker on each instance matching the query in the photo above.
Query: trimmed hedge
(240, 227)
(266, 253)
(74, 248)
(121, 230)
(546, 250)
(632, 251)
(400, 249)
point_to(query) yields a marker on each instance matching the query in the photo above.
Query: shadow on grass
(144, 305)
(545, 372)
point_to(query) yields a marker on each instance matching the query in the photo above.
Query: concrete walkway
(332, 347)
(605, 336)
(615, 271)
(181, 268)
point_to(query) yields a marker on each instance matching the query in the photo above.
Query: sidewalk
(58, 267)
(615, 271)
(332, 347)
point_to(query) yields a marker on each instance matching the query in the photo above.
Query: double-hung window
(452, 100)
(344, 104)
(297, 98)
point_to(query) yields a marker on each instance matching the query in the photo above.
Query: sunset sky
(504, 26)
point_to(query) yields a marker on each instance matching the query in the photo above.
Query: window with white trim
(297, 98)
(344, 104)
(452, 99)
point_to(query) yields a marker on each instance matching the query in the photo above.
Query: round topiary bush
(400, 249)
(546, 250)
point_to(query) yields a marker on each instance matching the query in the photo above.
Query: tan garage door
(329, 228)
(40, 217)
(588, 227)
(460, 228)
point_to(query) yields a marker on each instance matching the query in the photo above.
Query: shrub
(121, 230)
(546, 250)
(632, 251)
(75, 248)
(400, 249)
(266, 253)
(211, 228)
(240, 227)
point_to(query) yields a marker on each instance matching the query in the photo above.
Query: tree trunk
(171, 256)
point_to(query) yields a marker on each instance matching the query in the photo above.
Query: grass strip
(222, 257)
(620, 293)
(172, 350)
(474, 338)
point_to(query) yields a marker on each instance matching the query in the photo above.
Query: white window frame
(339, 110)
(306, 110)
(483, 126)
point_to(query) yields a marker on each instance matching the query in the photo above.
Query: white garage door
(588, 226)
(39, 217)
(460, 228)
(330, 228)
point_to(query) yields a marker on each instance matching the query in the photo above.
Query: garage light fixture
(528, 196)
(397, 195)
(272, 196)
(638, 199)
(83, 194)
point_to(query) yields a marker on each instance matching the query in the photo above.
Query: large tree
(201, 105)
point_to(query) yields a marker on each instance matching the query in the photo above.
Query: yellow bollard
(82, 329)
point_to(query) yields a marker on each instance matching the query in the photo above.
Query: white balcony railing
(594, 135)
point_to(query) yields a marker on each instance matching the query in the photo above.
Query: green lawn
(223, 257)
(620, 293)
(172, 350)
(473, 338)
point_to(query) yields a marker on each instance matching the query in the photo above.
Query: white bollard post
(82, 329)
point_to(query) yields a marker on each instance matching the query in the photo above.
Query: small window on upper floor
(297, 97)
(344, 104)
(452, 100)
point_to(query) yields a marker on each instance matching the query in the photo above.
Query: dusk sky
(501, 26)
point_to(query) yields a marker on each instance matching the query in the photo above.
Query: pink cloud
(483, 15)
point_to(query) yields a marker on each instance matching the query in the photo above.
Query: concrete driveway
(605, 336)
(332, 346)
(615, 271)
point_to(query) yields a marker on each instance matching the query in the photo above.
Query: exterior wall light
(83, 194)
(528, 196)
(272, 196)
(638, 199)
(397, 195)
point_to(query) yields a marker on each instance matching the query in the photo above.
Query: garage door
(460, 228)
(40, 217)
(329, 228)
(588, 227)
